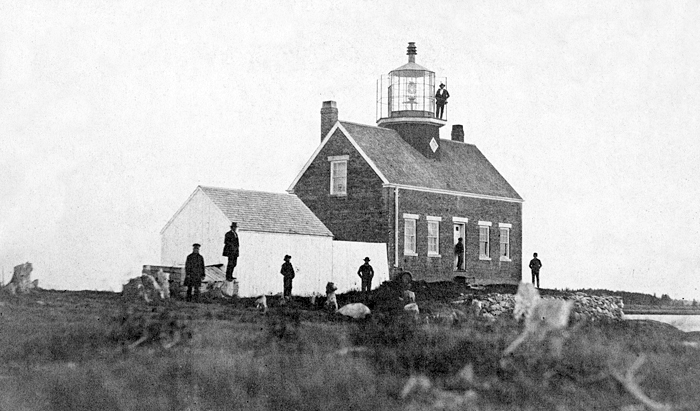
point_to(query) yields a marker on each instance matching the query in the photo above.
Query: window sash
(409, 236)
(505, 243)
(433, 237)
(484, 242)
(339, 173)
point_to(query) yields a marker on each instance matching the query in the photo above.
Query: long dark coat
(231, 244)
(194, 270)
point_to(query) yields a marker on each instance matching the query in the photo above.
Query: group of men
(195, 270)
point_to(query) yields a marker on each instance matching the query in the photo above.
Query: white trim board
(454, 193)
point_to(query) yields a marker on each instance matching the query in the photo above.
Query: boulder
(21, 282)
(355, 310)
(143, 288)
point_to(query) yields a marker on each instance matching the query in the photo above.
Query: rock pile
(586, 307)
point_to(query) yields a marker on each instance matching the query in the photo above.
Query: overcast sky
(112, 112)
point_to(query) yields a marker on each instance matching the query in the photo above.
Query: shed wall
(199, 221)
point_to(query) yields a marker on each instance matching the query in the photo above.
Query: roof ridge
(367, 125)
(245, 190)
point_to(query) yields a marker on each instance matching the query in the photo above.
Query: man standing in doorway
(459, 252)
(535, 265)
(366, 273)
(231, 250)
(440, 100)
(194, 272)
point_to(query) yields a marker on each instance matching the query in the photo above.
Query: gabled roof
(461, 169)
(264, 211)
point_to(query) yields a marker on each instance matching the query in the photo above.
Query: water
(682, 322)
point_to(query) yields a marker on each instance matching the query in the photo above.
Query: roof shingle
(461, 167)
(268, 212)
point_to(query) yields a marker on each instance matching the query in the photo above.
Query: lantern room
(407, 92)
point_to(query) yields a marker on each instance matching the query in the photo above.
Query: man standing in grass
(194, 272)
(288, 272)
(366, 273)
(535, 265)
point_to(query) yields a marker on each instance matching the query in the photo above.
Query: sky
(113, 112)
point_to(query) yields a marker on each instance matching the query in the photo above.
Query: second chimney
(329, 116)
(458, 133)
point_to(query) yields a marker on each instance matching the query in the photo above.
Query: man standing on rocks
(231, 250)
(535, 265)
(194, 272)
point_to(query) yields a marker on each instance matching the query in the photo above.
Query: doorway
(460, 258)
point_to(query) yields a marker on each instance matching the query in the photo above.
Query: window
(409, 234)
(484, 246)
(505, 242)
(339, 175)
(433, 236)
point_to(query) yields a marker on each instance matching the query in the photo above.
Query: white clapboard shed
(270, 225)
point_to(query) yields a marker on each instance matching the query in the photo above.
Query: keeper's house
(398, 183)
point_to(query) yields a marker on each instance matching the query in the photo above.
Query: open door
(460, 258)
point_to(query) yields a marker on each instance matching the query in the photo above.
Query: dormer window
(339, 175)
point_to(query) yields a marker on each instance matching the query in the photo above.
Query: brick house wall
(475, 210)
(361, 214)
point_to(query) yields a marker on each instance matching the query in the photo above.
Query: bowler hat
(196, 245)
(287, 257)
(366, 258)
(442, 84)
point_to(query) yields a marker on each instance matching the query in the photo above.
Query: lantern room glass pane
(411, 93)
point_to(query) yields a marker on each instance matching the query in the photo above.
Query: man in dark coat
(535, 265)
(440, 100)
(366, 273)
(231, 250)
(459, 252)
(194, 272)
(288, 272)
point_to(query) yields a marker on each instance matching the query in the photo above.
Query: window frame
(334, 161)
(487, 226)
(504, 227)
(434, 221)
(408, 221)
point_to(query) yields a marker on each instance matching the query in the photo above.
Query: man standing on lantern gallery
(231, 250)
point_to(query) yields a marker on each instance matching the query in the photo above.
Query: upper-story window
(339, 175)
(484, 243)
(505, 241)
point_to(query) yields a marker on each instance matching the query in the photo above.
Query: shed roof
(263, 211)
(461, 166)
(268, 212)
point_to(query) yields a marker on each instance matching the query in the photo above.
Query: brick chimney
(458, 133)
(329, 116)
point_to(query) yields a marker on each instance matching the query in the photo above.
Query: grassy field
(76, 351)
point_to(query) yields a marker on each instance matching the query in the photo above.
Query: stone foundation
(586, 307)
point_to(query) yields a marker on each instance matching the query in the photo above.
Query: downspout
(396, 227)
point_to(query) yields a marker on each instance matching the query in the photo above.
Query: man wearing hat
(288, 272)
(441, 99)
(231, 250)
(366, 272)
(194, 272)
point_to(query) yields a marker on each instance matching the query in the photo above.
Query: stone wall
(586, 307)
